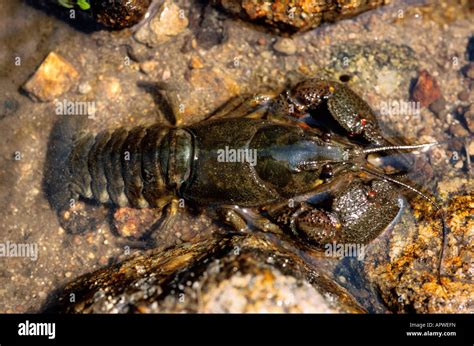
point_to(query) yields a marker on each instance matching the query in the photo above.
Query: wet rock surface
(407, 275)
(168, 22)
(54, 77)
(298, 15)
(252, 274)
(379, 54)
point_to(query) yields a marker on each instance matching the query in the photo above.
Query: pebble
(471, 85)
(129, 222)
(426, 90)
(84, 88)
(148, 67)
(54, 77)
(458, 130)
(463, 96)
(266, 55)
(168, 22)
(285, 46)
(457, 144)
(438, 107)
(139, 53)
(196, 62)
(166, 75)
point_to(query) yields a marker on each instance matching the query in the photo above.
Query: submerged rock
(295, 16)
(407, 274)
(168, 22)
(426, 90)
(240, 274)
(54, 77)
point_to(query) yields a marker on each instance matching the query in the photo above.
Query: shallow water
(384, 57)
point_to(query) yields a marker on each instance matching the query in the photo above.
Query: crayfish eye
(327, 172)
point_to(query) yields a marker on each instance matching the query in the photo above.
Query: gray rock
(168, 22)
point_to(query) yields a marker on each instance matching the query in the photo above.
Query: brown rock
(457, 130)
(196, 62)
(294, 16)
(149, 67)
(463, 96)
(426, 90)
(54, 77)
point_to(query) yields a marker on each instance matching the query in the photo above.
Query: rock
(196, 62)
(293, 16)
(239, 274)
(285, 46)
(393, 63)
(211, 30)
(406, 272)
(463, 96)
(438, 107)
(168, 22)
(149, 67)
(84, 88)
(54, 77)
(457, 130)
(134, 223)
(139, 52)
(457, 144)
(426, 90)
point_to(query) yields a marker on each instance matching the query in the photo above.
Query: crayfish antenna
(399, 147)
(425, 197)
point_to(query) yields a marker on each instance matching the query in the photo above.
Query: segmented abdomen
(120, 167)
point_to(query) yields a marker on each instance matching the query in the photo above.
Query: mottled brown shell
(119, 14)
